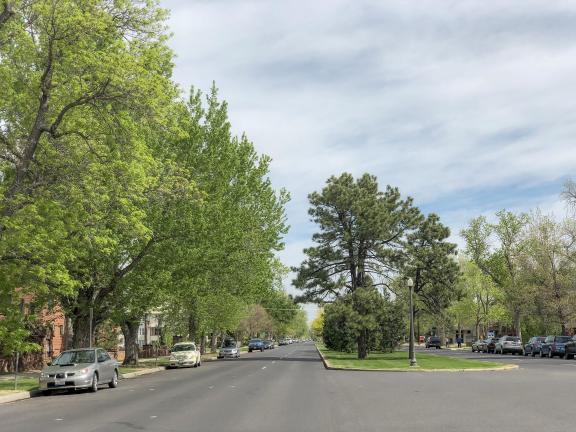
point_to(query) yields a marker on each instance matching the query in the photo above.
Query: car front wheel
(94, 386)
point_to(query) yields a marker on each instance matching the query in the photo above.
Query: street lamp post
(411, 353)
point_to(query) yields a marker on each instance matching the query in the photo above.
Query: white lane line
(59, 419)
(232, 386)
(153, 417)
(210, 387)
(263, 367)
(151, 389)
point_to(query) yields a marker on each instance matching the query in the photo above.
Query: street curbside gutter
(17, 396)
(327, 365)
(142, 372)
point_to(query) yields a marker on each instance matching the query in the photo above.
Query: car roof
(83, 349)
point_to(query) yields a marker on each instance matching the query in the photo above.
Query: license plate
(59, 382)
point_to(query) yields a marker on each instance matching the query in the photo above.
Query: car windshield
(187, 347)
(229, 344)
(255, 341)
(563, 339)
(513, 338)
(74, 357)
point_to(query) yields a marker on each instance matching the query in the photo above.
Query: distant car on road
(554, 346)
(490, 346)
(256, 345)
(570, 348)
(282, 342)
(268, 344)
(229, 349)
(79, 369)
(434, 342)
(477, 346)
(509, 344)
(533, 345)
(185, 354)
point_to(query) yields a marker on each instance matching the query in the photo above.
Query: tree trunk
(203, 343)
(130, 332)
(192, 328)
(517, 324)
(362, 345)
(81, 335)
(213, 340)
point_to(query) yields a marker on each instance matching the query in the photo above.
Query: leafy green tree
(83, 83)
(362, 233)
(430, 262)
(501, 261)
(317, 326)
(547, 267)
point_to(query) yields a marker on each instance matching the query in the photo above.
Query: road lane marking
(153, 417)
(210, 387)
(59, 419)
(151, 389)
(263, 367)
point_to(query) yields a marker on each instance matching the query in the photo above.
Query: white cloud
(439, 98)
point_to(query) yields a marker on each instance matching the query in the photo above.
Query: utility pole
(411, 353)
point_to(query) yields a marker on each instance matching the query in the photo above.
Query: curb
(506, 367)
(14, 397)
(19, 396)
(142, 372)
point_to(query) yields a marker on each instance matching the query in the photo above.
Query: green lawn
(24, 384)
(399, 360)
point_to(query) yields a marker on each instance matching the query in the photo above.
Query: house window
(61, 330)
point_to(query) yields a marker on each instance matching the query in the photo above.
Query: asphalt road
(288, 389)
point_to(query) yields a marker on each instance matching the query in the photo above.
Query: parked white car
(185, 354)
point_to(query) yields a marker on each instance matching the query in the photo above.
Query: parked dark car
(554, 346)
(570, 348)
(268, 344)
(434, 342)
(509, 344)
(478, 345)
(490, 346)
(256, 345)
(532, 347)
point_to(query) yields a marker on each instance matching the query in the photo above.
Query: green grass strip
(399, 360)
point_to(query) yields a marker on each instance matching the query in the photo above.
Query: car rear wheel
(94, 386)
(114, 382)
(569, 356)
(46, 392)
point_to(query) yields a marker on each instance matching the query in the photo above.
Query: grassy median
(398, 360)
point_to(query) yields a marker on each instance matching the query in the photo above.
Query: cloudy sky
(467, 106)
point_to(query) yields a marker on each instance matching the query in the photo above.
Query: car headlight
(43, 375)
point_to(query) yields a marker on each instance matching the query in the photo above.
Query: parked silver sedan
(78, 369)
